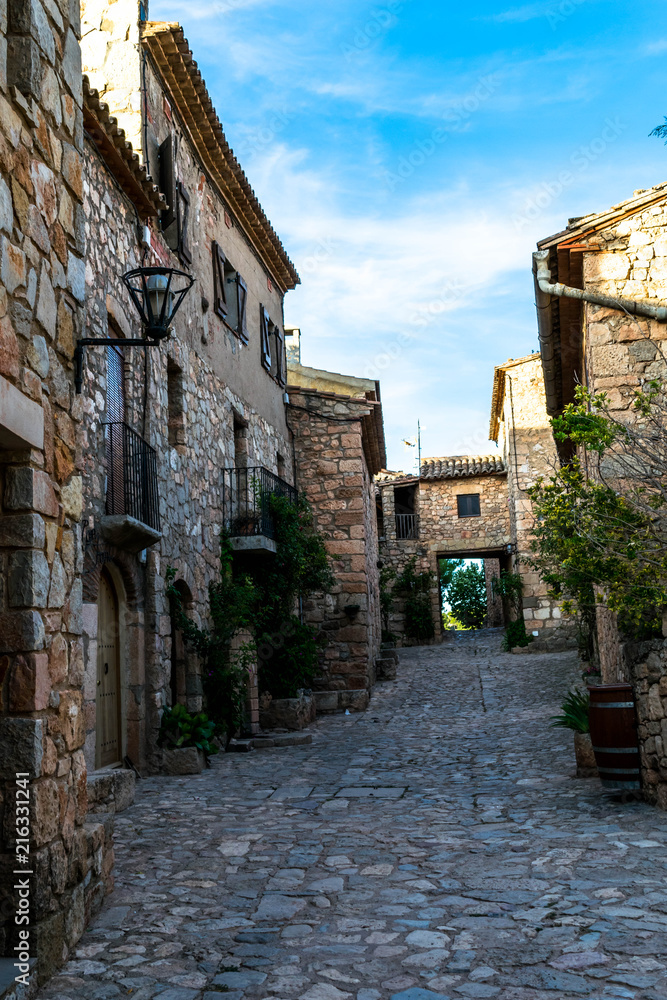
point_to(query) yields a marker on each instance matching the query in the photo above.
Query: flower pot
(583, 751)
(182, 760)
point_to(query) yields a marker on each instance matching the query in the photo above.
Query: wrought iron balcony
(132, 506)
(247, 514)
(407, 526)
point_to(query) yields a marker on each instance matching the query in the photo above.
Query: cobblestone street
(436, 846)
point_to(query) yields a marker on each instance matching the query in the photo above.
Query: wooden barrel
(613, 728)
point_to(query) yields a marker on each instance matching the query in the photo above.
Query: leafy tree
(415, 588)
(446, 570)
(466, 595)
(601, 528)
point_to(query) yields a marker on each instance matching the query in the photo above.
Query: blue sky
(411, 153)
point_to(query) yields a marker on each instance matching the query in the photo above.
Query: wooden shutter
(168, 181)
(108, 692)
(281, 373)
(182, 220)
(265, 341)
(219, 288)
(242, 301)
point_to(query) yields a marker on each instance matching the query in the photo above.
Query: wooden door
(108, 736)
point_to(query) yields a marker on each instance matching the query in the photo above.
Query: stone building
(521, 428)
(456, 508)
(621, 252)
(338, 435)
(42, 288)
(176, 439)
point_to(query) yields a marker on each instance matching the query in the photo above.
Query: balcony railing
(407, 526)
(131, 476)
(246, 501)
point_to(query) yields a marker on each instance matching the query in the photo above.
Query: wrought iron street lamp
(157, 294)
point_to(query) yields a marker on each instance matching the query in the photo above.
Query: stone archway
(185, 676)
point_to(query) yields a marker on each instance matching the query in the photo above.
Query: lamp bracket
(81, 345)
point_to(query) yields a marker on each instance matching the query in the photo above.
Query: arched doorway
(185, 679)
(108, 743)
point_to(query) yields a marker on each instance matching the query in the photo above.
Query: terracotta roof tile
(117, 153)
(460, 466)
(170, 50)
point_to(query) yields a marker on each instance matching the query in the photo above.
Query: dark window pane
(468, 504)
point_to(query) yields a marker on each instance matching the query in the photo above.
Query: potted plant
(187, 740)
(574, 716)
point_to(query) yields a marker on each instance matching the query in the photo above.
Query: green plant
(466, 595)
(446, 570)
(224, 673)
(262, 602)
(415, 589)
(515, 635)
(180, 729)
(574, 712)
(387, 576)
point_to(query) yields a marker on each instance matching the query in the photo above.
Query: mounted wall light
(157, 294)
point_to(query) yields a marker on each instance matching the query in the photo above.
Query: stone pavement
(436, 846)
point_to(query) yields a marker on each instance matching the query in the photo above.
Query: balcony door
(108, 749)
(116, 407)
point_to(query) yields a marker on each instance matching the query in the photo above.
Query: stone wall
(646, 668)
(442, 532)
(523, 433)
(42, 245)
(332, 471)
(189, 463)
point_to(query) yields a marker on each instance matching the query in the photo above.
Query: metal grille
(407, 526)
(131, 475)
(115, 385)
(246, 500)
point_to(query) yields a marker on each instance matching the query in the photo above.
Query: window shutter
(264, 322)
(183, 217)
(281, 373)
(168, 181)
(468, 505)
(242, 300)
(219, 289)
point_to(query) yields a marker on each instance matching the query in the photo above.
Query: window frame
(467, 496)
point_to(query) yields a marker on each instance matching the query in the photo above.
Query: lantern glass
(157, 293)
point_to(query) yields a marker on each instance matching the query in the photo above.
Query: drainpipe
(636, 307)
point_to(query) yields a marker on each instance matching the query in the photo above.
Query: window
(468, 504)
(240, 442)
(175, 404)
(230, 294)
(175, 218)
(264, 330)
(219, 283)
(281, 365)
(182, 219)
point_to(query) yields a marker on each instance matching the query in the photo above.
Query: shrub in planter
(180, 729)
(574, 716)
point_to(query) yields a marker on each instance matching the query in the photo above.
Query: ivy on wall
(262, 601)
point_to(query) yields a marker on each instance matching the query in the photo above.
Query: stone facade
(520, 426)
(42, 248)
(439, 529)
(336, 421)
(204, 402)
(622, 253)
